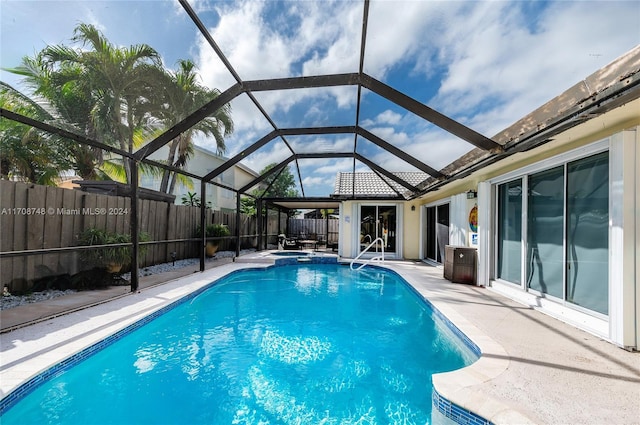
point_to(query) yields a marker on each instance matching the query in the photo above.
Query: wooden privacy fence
(306, 227)
(34, 217)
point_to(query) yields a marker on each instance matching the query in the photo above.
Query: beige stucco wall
(411, 232)
(347, 227)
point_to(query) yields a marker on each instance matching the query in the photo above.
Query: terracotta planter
(211, 249)
(114, 267)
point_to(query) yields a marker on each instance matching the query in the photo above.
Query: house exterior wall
(201, 163)
(346, 228)
(411, 230)
(349, 227)
(625, 238)
(569, 218)
(618, 131)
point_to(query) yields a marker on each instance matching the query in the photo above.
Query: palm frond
(114, 169)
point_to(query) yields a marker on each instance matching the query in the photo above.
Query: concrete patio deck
(534, 368)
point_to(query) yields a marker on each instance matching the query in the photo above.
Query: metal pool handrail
(377, 258)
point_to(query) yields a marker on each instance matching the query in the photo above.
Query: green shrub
(214, 230)
(104, 257)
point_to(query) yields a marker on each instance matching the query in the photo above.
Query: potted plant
(214, 231)
(113, 259)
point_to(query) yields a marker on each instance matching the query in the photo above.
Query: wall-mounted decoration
(473, 219)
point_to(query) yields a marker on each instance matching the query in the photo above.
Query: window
(227, 194)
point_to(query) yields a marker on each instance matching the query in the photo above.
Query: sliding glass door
(545, 235)
(560, 216)
(588, 233)
(510, 231)
(437, 232)
(378, 221)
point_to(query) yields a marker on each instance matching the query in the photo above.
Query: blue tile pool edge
(27, 387)
(456, 413)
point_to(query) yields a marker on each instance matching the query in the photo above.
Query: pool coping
(454, 390)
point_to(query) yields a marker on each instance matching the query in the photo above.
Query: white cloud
(396, 33)
(339, 34)
(391, 135)
(523, 67)
(334, 166)
(434, 147)
(275, 152)
(314, 181)
(389, 117)
(327, 143)
(325, 42)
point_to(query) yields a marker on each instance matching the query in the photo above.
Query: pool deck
(534, 368)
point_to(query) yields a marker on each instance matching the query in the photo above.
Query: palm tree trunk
(164, 184)
(172, 187)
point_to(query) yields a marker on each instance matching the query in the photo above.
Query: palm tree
(26, 153)
(183, 95)
(69, 99)
(121, 97)
(120, 80)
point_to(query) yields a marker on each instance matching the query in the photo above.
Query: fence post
(237, 224)
(203, 225)
(133, 225)
(259, 223)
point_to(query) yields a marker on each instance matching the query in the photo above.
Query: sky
(485, 64)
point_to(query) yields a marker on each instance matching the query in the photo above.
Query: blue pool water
(303, 344)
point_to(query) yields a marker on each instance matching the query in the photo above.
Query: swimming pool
(290, 344)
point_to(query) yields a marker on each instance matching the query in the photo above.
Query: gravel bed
(167, 267)
(11, 301)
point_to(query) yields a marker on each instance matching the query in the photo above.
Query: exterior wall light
(472, 194)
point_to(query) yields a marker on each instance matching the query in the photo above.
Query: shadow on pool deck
(534, 368)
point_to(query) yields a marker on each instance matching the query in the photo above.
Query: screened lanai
(313, 88)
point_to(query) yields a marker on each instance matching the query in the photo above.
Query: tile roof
(374, 185)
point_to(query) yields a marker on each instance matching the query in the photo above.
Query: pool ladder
(372, 259)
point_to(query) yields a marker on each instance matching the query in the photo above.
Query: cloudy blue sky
(484, 63)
